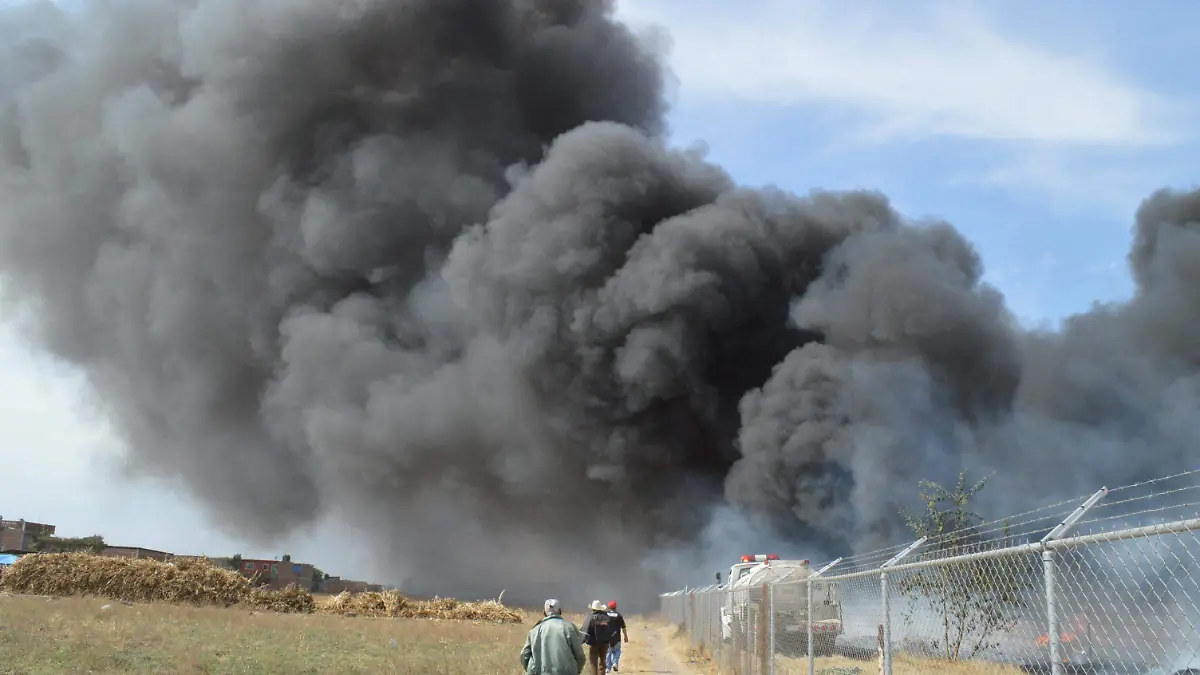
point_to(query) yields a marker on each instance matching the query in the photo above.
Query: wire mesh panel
(733, 640)
(706, 608)
(861, 623)
(744, 636)
(697, 614)
(670, 607)
(960, 609)
(792, 614)
(699, 617)
(1130, 606)
(831, 620)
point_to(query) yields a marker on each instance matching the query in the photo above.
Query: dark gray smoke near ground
(430, 265)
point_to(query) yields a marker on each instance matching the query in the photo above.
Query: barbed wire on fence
(1103, 583)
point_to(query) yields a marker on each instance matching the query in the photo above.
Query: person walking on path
(619, 627)
(554, 645)
(597, 635)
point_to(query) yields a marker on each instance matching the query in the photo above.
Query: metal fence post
(691, 613)
(1049, 571)
(762, 641)
(812, 663)
(706, 609)
(887, 623)
(808, 592)
(718, 643)
(887, 604)
(746, 632)
(749, 617)
(771, 627)
(726, 601)
(1056, 666)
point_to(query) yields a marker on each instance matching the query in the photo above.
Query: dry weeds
(74, 635)
(393, 604)
(903, 664)
(700, 661)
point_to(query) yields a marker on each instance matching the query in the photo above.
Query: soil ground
(659, 649)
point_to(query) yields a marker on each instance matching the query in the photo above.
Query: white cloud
(1066, 183)
(41, 420)
(58, 460)
(912, 70)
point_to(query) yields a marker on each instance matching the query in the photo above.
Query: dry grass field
(905, 665)
(41, 636)
(74, 635)
(80, 614)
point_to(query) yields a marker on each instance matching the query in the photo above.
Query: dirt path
(650, 652)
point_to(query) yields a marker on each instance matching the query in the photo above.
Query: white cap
(598, 606)
(553, 607)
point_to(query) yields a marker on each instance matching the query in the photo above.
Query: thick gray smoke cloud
(430, 264)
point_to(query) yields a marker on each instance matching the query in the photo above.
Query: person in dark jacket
(614, 647)
(554, 645)
(597, 635)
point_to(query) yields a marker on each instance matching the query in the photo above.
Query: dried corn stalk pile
(196, 582)
(199, 582)
(290, 600)
(394, 604)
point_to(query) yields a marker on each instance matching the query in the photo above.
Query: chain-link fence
(1110, 594)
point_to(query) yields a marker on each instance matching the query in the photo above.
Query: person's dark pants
(597, 659)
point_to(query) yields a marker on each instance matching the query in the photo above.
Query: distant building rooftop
(27, 526)
(135, 552)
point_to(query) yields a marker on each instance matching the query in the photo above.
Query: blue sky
(1034, 127)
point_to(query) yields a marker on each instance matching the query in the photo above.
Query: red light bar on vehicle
(759, 558)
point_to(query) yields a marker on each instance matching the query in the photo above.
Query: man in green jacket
(554, 645)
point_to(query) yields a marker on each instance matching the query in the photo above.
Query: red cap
(612, 604)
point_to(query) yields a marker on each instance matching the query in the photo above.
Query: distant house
(278, 574)
(334, 585)
(135, 552)
(18, 536)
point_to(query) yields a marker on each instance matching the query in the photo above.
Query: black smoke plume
(430, 264)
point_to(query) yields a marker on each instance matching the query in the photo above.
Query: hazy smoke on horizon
(432, 264)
